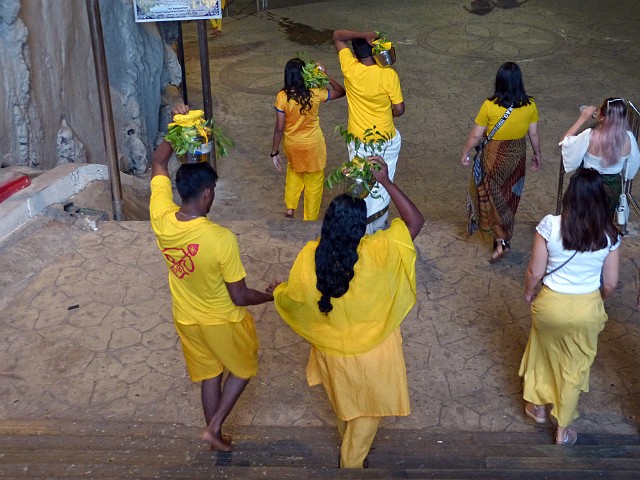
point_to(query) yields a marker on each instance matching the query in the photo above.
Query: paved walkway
(86, 317)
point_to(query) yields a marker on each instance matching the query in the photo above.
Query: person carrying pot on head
(298, 126)
(347, 295)
(374, 98)
(208, 289)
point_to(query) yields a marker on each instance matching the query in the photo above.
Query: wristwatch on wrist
(275, 154)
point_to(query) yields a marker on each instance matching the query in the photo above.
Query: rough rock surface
(22, 135)
(69, 149)
(47, 74)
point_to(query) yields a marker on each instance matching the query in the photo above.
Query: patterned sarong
(492, 204)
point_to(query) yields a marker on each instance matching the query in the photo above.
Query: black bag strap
(497, 126)
(558, 268)
(623, 175)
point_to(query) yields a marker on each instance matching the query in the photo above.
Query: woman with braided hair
(347, 295)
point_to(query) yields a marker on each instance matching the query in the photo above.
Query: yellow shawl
(380, 295)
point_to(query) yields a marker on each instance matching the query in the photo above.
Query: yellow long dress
(356, 348)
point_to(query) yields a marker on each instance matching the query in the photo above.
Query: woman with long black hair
(346, 295)
(576, 256)
(303, 144)
(498, 181)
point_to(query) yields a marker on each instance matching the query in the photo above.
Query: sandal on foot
(289, 214)
(500, 249)
(532, 411)
(570, 437)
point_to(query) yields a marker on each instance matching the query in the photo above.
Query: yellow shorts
(209, 349)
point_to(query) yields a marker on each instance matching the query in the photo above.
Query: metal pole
(634, 121)
(203, 46)
(108, 130)
(185, 97)
(560, 187)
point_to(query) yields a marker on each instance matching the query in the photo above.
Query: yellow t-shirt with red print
(201, 257)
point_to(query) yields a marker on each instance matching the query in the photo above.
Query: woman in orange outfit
(303, 143)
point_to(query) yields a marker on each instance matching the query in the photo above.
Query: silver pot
(386, 58)
(200, 155)
(355, 187)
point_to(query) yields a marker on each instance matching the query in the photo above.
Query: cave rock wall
(47, 79)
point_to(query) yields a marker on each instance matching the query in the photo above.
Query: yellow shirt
(380, 295)
(515, 127)
(303, 142)
(371, 90)
(201, 256)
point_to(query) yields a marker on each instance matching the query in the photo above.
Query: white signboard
(170, 10)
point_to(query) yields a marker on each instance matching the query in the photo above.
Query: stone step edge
(274, 433)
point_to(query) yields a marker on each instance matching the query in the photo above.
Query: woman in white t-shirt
(571, 254)
(605, 148)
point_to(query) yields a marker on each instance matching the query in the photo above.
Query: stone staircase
(168, 451)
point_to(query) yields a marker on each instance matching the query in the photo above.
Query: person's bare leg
(233, 388)
(210, 394)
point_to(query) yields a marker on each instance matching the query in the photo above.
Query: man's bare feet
(226, 439)
(220, 443)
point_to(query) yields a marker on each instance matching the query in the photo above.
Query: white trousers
(390, 153)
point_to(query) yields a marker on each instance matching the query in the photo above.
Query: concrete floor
(116, 356)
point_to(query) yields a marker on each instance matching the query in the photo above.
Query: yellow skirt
(373, 384)
(562, 346)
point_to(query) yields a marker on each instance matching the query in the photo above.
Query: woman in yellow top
(297, 120)
(346, 295)
(495, 188)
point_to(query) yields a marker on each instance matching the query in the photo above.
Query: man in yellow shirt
(208, 289)
(375, 98)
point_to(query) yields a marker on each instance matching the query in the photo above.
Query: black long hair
(343, 226)
(509, 87)
(294, 85)
(585, 222)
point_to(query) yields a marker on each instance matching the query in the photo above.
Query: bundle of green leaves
(313, 76)
(373, 142)
(189, 131)
(381, 43)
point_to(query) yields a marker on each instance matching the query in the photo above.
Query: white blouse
(581, 274)
(574, 151)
